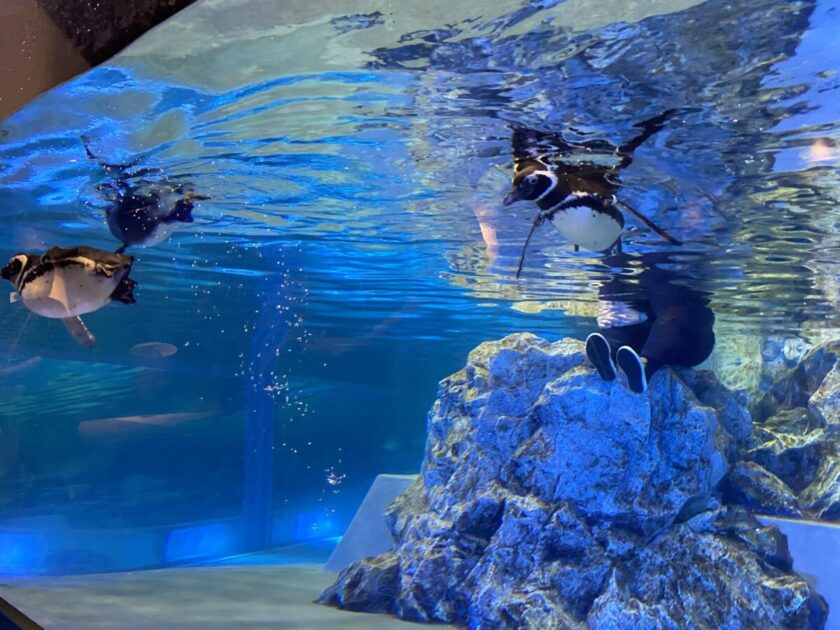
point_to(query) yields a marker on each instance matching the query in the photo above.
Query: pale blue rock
(797, 431)
(700, 573)
(822, 497)
(759, 490)
(545, 490)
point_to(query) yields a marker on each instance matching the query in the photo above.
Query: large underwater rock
(796, 435)
(749, 363)
(551, 499)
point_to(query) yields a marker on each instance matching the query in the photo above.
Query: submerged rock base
(792, 467)
(552, 499)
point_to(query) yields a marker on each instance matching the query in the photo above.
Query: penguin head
(14, 269)
(532, 184)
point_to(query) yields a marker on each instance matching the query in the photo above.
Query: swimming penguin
(67, 282)
(574, 185)
(138, 217)
(141, 212)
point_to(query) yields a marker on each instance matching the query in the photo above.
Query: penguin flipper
(538, 221)
(77, 329)
(648, 128)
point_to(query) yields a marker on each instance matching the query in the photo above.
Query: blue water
(354, 248)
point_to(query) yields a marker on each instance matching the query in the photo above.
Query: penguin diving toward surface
(65, 283)
(141, 212)
(575, 184)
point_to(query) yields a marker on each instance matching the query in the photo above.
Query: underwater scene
(249, 258)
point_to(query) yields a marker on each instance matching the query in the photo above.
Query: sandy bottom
(253, 596)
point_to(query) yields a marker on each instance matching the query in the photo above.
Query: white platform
(367, 535)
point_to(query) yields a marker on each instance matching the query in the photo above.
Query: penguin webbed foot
(103, 270)
(125, 291)
(77, 329)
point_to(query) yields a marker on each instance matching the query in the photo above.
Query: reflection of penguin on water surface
(140, 212)
(65, 283)
(649, 320)
(574, 188)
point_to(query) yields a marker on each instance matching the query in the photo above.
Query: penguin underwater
(573, 191)
(65, 283)
(142, 213)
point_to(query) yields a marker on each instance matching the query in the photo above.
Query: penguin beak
(511, 197)
(6, 272)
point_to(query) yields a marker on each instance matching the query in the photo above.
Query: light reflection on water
(355, 248)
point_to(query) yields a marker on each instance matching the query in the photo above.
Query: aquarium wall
(348, 247)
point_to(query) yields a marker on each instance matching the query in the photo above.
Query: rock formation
(551, 499)
(792, 465)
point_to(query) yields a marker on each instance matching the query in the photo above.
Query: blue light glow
(200, 541)
(20, 553)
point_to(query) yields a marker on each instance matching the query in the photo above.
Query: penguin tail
(125, 291)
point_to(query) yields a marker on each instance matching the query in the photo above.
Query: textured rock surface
(700, 573)
(796, 388)
(822, 497)
(758, 489)
(551, 499)
(795, 439)
(792, 455)
(100, 29)
(749, 364)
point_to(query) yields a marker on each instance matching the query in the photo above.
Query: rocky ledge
(551, 499)
(792, 464)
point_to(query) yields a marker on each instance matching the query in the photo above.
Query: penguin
(574, 185)
(140, 212)
(146, 216)
(65, 283)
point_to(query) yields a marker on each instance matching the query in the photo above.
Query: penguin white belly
(161, 232)
(69, 291)
(586, 227)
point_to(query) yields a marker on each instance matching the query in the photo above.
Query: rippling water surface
(354, 247)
